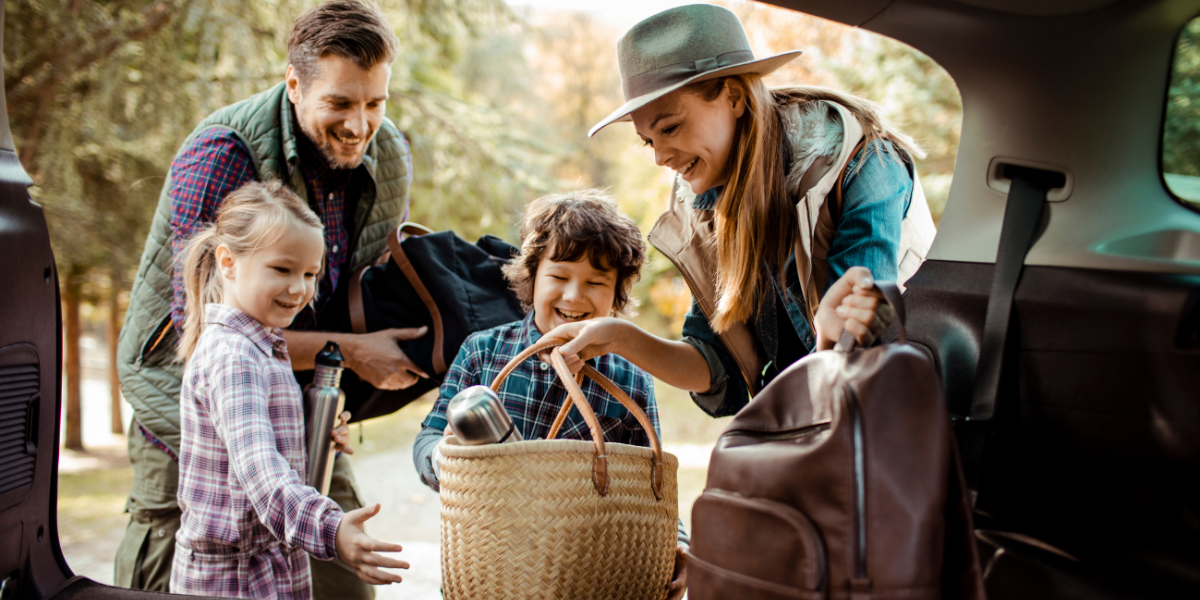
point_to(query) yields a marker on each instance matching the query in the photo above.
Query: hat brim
(761, 66)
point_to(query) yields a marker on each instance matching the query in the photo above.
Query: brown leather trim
(358, 318)
(575, 397)
(406, 267)
(563, 411)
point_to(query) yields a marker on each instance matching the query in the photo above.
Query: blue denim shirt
(875, 199)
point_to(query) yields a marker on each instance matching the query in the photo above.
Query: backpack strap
(401, 259)
(835, 211)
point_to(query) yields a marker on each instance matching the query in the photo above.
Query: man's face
(341, 108)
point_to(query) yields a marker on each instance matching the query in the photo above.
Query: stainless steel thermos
(323, 402)
(477, 417)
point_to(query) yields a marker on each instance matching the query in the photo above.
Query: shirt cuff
(712, 399)
(330, 521)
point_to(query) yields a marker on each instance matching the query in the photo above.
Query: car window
(1181, 130)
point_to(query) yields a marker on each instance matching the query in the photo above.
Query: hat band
(669, 75)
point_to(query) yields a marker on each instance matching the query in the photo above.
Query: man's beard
(325, 149)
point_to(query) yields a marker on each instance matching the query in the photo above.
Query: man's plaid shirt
(248, 516)
(532, 394)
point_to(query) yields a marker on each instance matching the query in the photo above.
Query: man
(323, 132)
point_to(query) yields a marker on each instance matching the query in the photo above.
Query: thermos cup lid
(477, 416)
(330, 355)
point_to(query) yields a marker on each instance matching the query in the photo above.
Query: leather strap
(435, 315)
(1022, 215)
(575, 397)
(358, 318)
(563, 411)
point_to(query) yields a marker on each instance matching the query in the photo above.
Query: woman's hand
(341, 434)
(589, 339)
(678, 585)
(852, 303)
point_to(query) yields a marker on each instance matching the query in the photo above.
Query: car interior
(1084, 456)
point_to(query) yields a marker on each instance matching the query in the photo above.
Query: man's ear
(292, 78)
(225, 263)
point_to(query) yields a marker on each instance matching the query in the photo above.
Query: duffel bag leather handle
(401, 259)
(575, 397)
(895, 299)
(358, 318)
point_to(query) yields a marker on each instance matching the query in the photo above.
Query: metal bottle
(477, 417)
(323, 402)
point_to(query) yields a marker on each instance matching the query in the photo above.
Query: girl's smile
(275, 282)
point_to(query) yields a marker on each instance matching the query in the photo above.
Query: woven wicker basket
(559, 519)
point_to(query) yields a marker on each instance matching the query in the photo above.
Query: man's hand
(678, 585)
(852, 303)
(341, 434)
(359, 550)
(378, 360)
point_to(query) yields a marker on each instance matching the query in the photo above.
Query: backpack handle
(891, 294)
(576, 398)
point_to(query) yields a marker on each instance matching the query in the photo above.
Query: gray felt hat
(680, 46)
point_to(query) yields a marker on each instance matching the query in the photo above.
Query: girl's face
(691, 135)
(273, 283)
(566, 292)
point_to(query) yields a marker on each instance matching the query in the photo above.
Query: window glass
(1181, 132)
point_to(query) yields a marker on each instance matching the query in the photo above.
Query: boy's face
(565, 292)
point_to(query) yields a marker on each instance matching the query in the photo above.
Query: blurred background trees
(496, 101)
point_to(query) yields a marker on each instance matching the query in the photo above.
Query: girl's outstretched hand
(852, 303)
(361, 551)
(588, 339)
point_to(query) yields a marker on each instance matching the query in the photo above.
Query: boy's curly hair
(569, 226)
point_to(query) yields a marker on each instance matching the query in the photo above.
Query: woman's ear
(736, 96)
(225, 262)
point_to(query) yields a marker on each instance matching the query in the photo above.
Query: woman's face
(691, 135)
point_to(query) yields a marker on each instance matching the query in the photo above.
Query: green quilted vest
(150, 375)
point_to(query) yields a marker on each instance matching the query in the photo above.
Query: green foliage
(1181, 132)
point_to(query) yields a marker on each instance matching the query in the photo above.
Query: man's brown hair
(356, 31)
(570, 226)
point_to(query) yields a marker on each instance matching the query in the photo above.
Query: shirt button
(545, 366)
(331, 195)
(335, 247)
(162, 533)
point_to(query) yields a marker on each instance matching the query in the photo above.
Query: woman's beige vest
(684, 235)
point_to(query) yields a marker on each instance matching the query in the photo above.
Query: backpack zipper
(791, 434)
(860, 486)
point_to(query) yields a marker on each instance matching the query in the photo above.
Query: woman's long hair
(253, 216)
(755, 217)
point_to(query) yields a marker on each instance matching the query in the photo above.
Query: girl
(248, 517)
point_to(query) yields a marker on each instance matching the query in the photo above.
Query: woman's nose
(660, 157)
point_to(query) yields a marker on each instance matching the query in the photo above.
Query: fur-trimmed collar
(811, 129)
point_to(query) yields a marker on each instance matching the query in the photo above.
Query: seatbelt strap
(1022, 215)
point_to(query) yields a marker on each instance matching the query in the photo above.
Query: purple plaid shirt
(248, 517)
(532, 394)
(216, 163)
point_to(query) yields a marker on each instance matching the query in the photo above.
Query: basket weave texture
(525, 520)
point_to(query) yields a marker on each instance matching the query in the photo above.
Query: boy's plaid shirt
(532, 394)
(243, 497)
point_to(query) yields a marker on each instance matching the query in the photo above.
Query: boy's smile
(566, 292)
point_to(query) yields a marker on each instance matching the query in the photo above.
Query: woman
(782, 196)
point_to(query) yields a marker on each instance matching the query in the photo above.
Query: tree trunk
(114, 330)
(74, 405)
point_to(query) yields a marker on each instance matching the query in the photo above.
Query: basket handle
(575, 397)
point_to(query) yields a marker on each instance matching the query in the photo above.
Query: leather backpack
(840, 480)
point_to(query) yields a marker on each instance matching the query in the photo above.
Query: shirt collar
(269, 341)
(529, 333)
(708, 199)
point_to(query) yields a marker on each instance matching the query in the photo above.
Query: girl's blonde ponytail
(201, 283)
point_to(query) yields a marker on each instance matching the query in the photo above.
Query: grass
(91, 504)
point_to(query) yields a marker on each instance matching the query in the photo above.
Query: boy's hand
(852, 303)
(589, 339)
(341, 434)
(359, 550)
(678, 585)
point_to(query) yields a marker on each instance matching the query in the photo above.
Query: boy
(579, 258)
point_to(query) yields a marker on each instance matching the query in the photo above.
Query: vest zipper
(860, 487)
(791, 434)
(151, 342)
